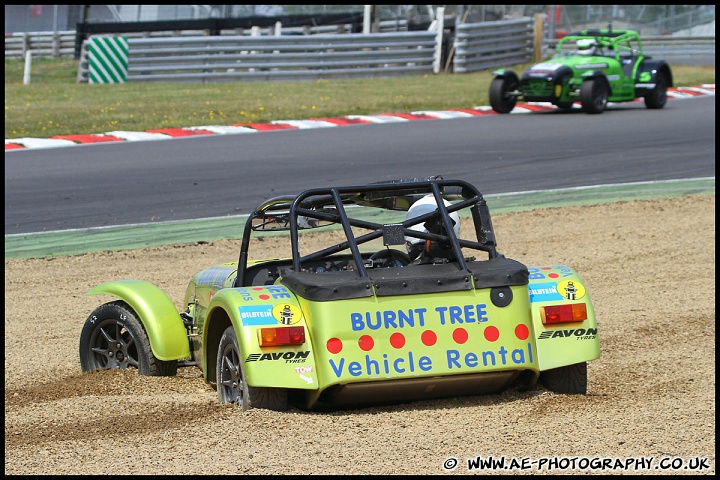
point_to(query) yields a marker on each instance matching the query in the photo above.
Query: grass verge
(55, 104)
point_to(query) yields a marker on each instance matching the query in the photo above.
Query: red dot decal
(334, 345)
(397, 340)
(491, 334)
(522, 332)
(553, 275)
(264, 296)
(428, 338)
(545, 268)
(460, 335)
(366, 343)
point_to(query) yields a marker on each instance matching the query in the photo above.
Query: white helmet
(425, 205)
(586, 46)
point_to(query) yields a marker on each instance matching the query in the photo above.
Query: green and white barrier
(107, 60)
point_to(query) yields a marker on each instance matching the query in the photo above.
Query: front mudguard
(562, 344)
(507, 74)
(159, 317)
(250, 309)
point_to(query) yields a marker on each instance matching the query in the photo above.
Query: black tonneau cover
(408, 280)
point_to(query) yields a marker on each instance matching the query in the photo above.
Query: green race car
(386, 292)
(592, 67)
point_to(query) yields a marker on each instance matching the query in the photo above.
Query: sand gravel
(649, 266)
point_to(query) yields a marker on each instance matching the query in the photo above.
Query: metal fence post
(439, 39)
(538, 38)
(28, 67)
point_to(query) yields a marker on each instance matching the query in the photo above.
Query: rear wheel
(564, 105)
(568, 379)
(113, 337)
(594, 95)
(658, 95)
(500, 98)
(231, 384)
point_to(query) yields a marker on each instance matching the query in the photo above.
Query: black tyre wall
(113, 337)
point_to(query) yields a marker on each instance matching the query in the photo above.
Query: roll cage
(618, 42)
(335, 207)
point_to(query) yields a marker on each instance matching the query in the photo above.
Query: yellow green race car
(387, 292)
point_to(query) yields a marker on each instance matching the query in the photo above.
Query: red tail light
(273, 336)
(577, 312)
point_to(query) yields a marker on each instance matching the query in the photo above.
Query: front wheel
(231, 384)
(501, 100)
(113, 337)
(657, 97)
(568, 379)
(594, 96)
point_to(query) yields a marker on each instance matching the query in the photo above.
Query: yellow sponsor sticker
(571, 289)
(287, 314)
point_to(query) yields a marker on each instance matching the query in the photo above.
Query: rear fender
(564, 343)
(648, 73)
(251, 308)
(159, 317)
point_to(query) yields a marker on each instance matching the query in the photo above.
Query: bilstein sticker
(544, 292)
(257, 315)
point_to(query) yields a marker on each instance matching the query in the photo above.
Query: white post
(440, 18)
(366, 19)
(28, 67)
(278, 29)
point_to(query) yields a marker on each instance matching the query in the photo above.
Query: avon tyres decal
(285, 357)
(578, 333)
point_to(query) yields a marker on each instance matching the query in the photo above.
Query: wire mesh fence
(646, 19)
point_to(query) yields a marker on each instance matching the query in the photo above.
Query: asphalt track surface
(89, 193)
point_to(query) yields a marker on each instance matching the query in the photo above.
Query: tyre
(231, 384)
(657, 98)
(564, 105)
(500, 98)
(594, 96)
(568, 379)
(113, 337)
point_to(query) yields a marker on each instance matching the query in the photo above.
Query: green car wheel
(594, 95)
(500, 98)
(657, 97)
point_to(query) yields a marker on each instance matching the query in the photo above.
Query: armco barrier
(263, 58)
(485, 45)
